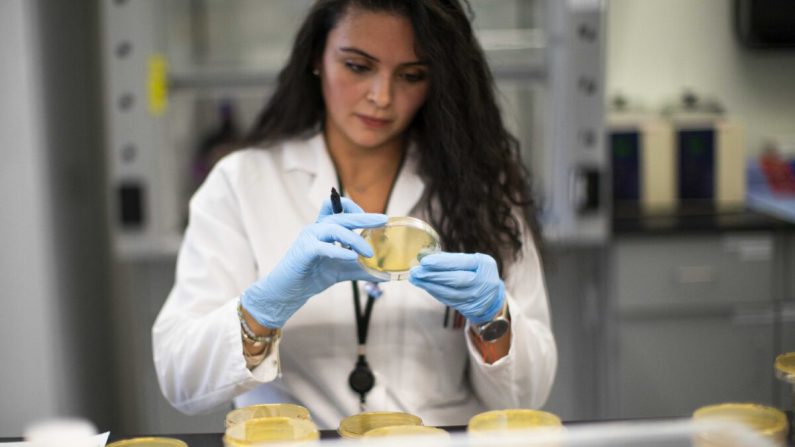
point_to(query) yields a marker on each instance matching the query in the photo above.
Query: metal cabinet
(693, 323)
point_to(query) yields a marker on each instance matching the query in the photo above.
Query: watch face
(494, 330)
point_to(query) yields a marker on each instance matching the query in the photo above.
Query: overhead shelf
(514, 54)
(215, 79)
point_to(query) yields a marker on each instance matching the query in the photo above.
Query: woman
(392, 101)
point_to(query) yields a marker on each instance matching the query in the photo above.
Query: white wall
(656, 48)
(29, 370)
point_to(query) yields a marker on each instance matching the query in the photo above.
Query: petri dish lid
(785, 367)
(357, 425)
(398, 246)
(512, 419)
(266, 410)
(406, 430)
(766, 421)
(258, 431)
(148, 442)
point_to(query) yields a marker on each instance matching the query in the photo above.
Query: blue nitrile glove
(312, 264)
(469, 283)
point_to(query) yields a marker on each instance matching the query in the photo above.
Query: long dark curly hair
(475, 181)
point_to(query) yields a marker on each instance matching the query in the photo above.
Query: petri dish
(407, 430)
(356, 426)
(512, 419)
(269, 430)
(785, 371)
(398, 246)
(148, 442)
(768, 422)
(266, 410)
(785, 367)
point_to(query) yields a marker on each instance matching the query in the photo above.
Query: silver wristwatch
(491, 331)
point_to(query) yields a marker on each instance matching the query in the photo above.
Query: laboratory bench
(215, 439)
(631, 220)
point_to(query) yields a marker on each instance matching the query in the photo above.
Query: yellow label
(157, 84)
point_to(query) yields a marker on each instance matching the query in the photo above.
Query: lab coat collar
(312, 156)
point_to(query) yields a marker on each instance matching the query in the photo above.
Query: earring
(316, 72)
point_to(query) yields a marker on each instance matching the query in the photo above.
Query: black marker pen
(336, 203)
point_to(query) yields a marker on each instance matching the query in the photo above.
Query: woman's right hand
(312, 264)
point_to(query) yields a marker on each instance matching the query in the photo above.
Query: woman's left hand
(469, 283)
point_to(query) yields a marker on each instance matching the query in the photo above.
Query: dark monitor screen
(765, 23)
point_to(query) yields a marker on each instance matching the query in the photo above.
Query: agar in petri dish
(243, 414)
(767, 422)
(398, 246)
(785, 371)
(259, 431)
(512, 419)
(357, 425)
(148, 442)
(407, 430)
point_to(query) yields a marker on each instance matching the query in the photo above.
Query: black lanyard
(362, 380)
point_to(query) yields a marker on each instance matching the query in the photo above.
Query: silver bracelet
(249, 335)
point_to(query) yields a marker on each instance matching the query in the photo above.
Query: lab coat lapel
(408, 188)
(310, 156)
(314, 158)
(325, 173)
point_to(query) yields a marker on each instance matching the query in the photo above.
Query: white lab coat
(242, 220)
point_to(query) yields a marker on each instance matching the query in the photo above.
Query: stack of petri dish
(543, 427)
(398, 246)
(512, 419)
(266, 424)
(148, 442)
(766, 422)
(407, 430)
(243, 414)
(356, 426)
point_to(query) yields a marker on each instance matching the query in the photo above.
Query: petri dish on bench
(422, 431)
(270, 430)
(148, 442)
(768, 422)
(398, 246)
(785, 371)
(243, 414)
(357, 425)
(512, 419)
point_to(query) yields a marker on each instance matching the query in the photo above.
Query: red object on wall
(778, 173)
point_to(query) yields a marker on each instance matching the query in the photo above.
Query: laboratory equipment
(243, 414)
(357, 425)
(270, 430)
(709, 151)
(642, 157)
(398, 246)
